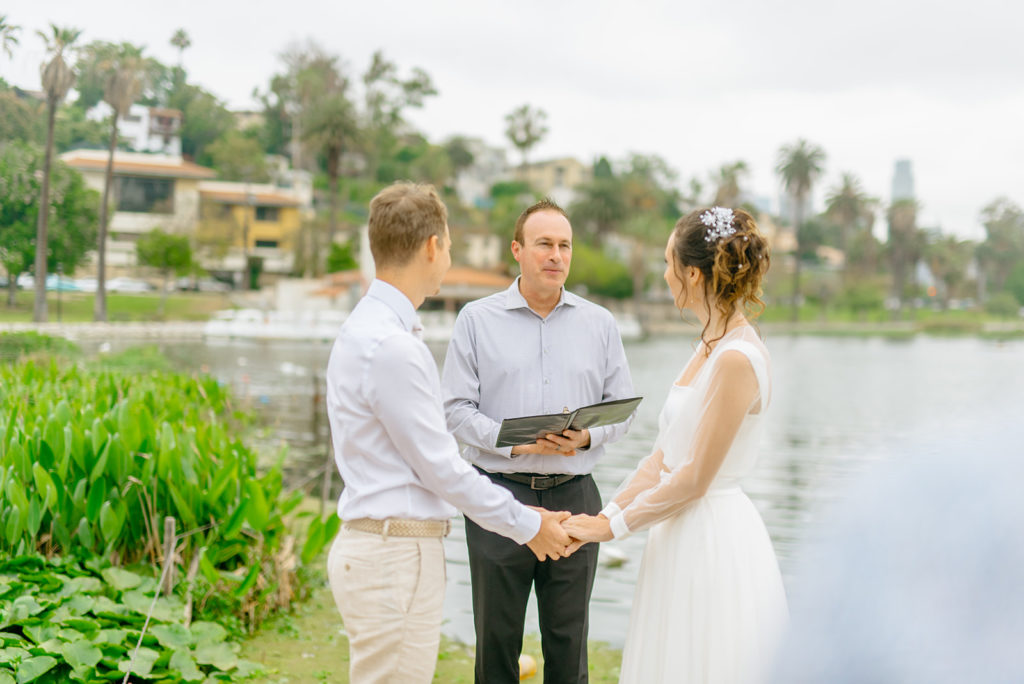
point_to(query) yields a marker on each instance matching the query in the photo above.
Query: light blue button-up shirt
(506, 361)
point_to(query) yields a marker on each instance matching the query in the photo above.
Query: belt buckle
(533, 481)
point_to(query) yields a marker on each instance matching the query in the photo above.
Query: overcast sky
(700, 84)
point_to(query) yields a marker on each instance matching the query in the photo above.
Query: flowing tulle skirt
(709, 606)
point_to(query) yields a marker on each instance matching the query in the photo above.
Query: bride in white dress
(709, 604)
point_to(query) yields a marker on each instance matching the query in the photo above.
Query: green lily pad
(185, 664)
(120, 579)
(218, 655)
(143, 663)
(81, 654)
(207, 633)
(33, 668)
(172, 636)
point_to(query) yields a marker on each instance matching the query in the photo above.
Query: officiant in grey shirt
(532, 349)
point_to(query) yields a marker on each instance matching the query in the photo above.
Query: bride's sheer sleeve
(733, 391)
(646, 475)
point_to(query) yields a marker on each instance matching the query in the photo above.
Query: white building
(490, 166)
(146, 129)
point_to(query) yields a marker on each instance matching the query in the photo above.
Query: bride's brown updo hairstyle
(728, 248)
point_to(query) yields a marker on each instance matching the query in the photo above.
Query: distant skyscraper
(903, 180)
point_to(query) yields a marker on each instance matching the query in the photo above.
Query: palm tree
(181, 41)
(800, 165)
(126, 70)
(728, 181)
(947, 258)
(330, 124)
(525, 127)
(57, 77)
(8, 35)
(851, 208)
(904, 245)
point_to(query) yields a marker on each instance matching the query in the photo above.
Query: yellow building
(254, 219)
(555, 178)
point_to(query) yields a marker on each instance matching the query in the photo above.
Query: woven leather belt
(538, 481)
(399, 527)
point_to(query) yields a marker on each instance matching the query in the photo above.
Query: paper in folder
(528, 429)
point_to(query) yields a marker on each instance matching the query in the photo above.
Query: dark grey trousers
(502, 573)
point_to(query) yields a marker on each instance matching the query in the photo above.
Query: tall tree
(168, 253)
(525, 127)
(126, 73)
(387, 96)
(904, 246)
(182, 42)
(74, 208)
(1003, 247)
(8, 35)
(57, 77)
(727, 181)
(799, 165)
(330, 124)
(239, 157)
(947, 257)
(851, 209)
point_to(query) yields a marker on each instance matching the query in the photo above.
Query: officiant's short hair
(546, 204)
(402, 217)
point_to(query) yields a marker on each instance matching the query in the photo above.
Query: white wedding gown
(709, 604)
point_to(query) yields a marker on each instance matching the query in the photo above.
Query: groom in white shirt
(402, 471)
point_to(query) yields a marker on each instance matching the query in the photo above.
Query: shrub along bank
(92, 464)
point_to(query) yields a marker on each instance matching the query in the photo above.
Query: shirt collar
(514, 299)
(396, 300)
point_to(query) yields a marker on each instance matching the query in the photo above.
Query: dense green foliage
(73, 211)
(92, 461)
(64, 620)
(13, 346)
(598, 273)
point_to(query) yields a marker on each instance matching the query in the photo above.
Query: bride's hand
(588, 528)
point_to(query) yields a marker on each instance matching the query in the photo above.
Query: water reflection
(838, 405)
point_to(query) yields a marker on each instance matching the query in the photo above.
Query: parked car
(131, 285)
(62, 283)
(86, 284)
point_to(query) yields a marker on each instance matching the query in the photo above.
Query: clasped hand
(562, 534)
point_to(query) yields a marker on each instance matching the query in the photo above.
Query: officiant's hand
(542, 446)
(588, 528)
(568, 442)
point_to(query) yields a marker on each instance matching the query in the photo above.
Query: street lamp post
(60, 285)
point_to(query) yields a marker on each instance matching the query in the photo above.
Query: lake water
(839, 405)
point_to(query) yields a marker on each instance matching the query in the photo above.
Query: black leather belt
(538, 481)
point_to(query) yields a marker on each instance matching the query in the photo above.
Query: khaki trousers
(390, 593)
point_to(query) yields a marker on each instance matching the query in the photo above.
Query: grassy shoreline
(308, 645)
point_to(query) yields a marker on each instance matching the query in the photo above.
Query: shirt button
(546, 381)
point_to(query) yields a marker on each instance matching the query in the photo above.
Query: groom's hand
(551, 540)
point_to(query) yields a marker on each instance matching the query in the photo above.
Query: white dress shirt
(394, 454)
(505, 361)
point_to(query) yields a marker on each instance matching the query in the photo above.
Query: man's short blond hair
(402, 217)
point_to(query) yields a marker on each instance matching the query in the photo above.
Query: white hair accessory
(719, 223)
